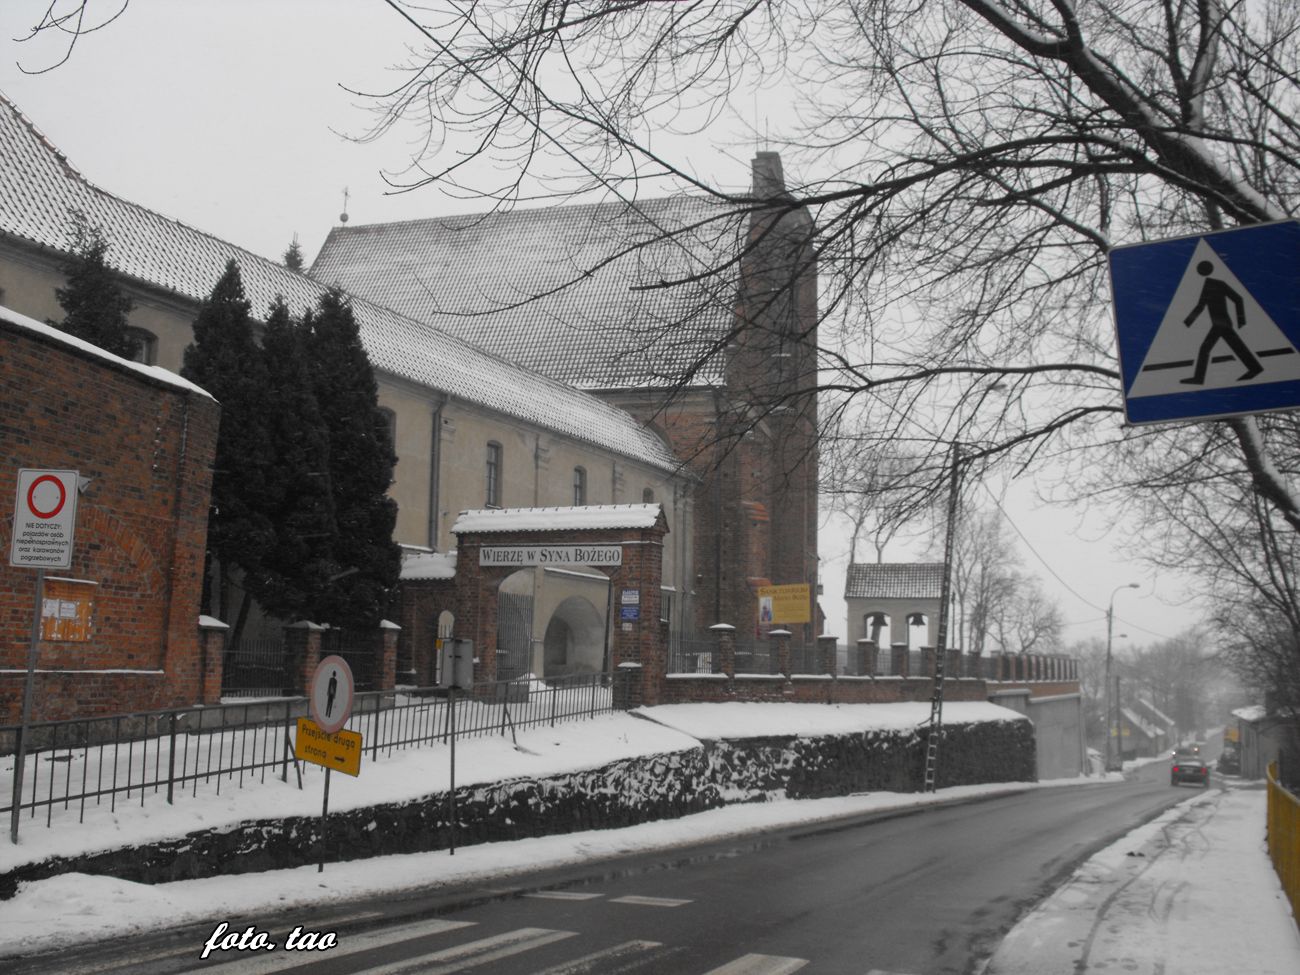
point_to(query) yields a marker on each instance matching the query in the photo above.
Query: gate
(514, 634)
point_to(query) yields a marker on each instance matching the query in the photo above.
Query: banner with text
(528, 555)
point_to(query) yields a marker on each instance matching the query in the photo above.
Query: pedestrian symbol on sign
(1215, 295)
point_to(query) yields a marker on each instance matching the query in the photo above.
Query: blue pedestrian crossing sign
(1208, 326)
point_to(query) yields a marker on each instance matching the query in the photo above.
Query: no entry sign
(45, 515)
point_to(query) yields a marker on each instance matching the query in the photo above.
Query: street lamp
(1110, 638)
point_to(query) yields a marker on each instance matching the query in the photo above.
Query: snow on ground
(1211, 904)
(1190, 893)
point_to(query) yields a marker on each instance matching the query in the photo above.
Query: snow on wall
(622, 793)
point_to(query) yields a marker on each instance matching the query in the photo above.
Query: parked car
(1189, 770)
(1230, 760)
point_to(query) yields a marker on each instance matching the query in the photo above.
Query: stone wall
(625, 793)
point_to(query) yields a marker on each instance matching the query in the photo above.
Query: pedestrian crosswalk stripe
(603, 962)
(472, 954)
(760, 965)
(352, 945)
(649, 901)
(562, 895)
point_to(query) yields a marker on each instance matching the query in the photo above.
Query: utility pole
(941, 650)
(1112, 701)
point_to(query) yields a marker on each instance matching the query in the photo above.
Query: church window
(579, 485)
(493, 494)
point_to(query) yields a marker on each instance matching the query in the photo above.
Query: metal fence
(255, 668)
(1284, 836)
(126, 758)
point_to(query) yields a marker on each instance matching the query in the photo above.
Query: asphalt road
(919, 893)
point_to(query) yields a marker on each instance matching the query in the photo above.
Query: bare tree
(968, 164)
(871, 489)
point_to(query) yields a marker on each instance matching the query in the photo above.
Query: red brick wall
(147, 447)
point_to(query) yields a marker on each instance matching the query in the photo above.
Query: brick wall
(147, 447)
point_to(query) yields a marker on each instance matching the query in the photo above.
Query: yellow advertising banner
(785, 604)
(340, 751)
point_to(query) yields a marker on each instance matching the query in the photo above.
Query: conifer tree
(292, 257)
(96, 307)
(301, 507)
(225, 360)
(361, 460)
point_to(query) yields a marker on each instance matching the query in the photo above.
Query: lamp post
(1110, 635)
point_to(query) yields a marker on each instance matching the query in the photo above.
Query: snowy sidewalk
(1190, 893)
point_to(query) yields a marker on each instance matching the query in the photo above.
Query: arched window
(492, 496)
(579, 486)
(648, 496)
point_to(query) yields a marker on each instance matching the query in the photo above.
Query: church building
(654, 359)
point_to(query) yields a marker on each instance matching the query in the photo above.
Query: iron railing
(255, 668)
(128, 757)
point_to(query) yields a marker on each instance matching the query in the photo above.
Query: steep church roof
(39, 189)
(599, 296)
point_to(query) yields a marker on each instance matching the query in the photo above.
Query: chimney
(769, 181)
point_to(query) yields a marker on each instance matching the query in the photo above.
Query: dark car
(1189, 770)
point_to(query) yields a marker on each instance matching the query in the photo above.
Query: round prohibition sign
(330, 701)
(31, 496)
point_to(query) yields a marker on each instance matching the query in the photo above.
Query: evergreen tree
(292, 258)
(301, 512)
(96, 307)
(361, 460)
(224, 359)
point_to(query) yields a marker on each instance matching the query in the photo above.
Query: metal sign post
(45, 517)
(320, 739)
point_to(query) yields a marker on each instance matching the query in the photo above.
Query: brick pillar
(781, 638)
(627, 686)
(975, 664)
(827, 654)
(927, 661)
(302, 654)
(212, 656)
(898, 660)
(952, 666)
(867, 657)
(386, 669)
(724, 657)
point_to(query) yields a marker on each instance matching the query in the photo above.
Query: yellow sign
(785, 604)
(340, 751)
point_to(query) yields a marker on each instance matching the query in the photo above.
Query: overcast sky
(230, 116)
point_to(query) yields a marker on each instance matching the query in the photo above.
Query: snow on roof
(575, 292)
(1137, 721)
(1160, 716)
(1253, 712)
(429, 565)
(894, 580)
(592, 516)
(156, 373)
(39, 190)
